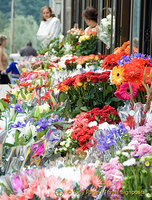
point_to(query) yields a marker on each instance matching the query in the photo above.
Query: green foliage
(25, 29)
(82, 99)
(24, 8)
(3, 22)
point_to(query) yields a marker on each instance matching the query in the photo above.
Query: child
(15, 75)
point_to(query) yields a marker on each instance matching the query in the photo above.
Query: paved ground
(3, 90)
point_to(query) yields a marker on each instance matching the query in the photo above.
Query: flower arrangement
(130, 75)
(83, 60)
(104, 30)
(87, 43)
(110, 139)
(86, 91)
(73, 36)
(85, 124)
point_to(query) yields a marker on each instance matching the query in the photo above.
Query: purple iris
(126, 59)
(105, 141)
(17, 108)
(18, 125)
(42, 124)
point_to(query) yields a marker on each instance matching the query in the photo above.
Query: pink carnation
(144, 149)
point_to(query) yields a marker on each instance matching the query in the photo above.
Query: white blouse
(48, 30)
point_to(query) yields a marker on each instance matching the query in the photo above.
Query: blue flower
(110, 138)
(18, 125)
(42, 124)
(17, 108)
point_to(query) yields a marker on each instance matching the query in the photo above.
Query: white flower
(10, 138)
(79, 66)
(67, 144)
(131, 148)
(129, 162)
(44, 108)
(126, 154)
(94, 123)
(62, 143)
(97, 163)
(104, 126)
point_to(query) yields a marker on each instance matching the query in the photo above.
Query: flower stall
(77, 125)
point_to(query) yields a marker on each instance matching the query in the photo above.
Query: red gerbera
(111, 61)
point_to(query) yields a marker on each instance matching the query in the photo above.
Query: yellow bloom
(28, 96)
(24, 69)
(117, 75)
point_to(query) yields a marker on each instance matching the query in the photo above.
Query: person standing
(50, 26)
(28, 50)
(3, 60)
(90, 16)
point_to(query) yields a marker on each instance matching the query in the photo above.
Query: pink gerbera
(124, 91)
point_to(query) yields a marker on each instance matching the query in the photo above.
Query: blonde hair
(50, 10)
(2, 39)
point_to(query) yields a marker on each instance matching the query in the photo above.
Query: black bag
(4, 79)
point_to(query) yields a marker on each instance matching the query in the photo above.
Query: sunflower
(117, 75)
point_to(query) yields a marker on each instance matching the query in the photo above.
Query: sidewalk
(3, 90)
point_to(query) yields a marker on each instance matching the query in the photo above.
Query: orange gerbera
(134, 71)
(62, 87)
(117, 75)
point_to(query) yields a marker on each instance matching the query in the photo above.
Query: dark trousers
(4, 79)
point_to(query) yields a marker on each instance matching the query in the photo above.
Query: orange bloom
(117, 75)
(62, 87)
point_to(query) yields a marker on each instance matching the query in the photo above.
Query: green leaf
(2, 107)
(23, 95)
(41, 81)
(14, 100)
(10, 85)
(17, 82)
(62, 97)
(84, 108)
(4, 103)
(53, 100)
(37, 112)
(17, 133)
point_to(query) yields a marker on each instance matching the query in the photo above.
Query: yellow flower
(24, 69)
(84, 38)
(117, 75)
(28, 96)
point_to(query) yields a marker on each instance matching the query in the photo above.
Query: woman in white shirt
(50, 26)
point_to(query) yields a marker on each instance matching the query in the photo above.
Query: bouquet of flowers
(86, 91)
(130, 75)
(104, 30)
(85, 123)
(72, 38)
(87, 43)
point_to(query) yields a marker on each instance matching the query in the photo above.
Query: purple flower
(39, 149)
(126, 59)
(17, 108)
(42, 124)
(104, 141)
(18, 125)
(51, 135)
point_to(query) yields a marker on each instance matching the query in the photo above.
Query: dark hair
(29, 44)
(90, 14)
(2, 39)
(50, 10)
